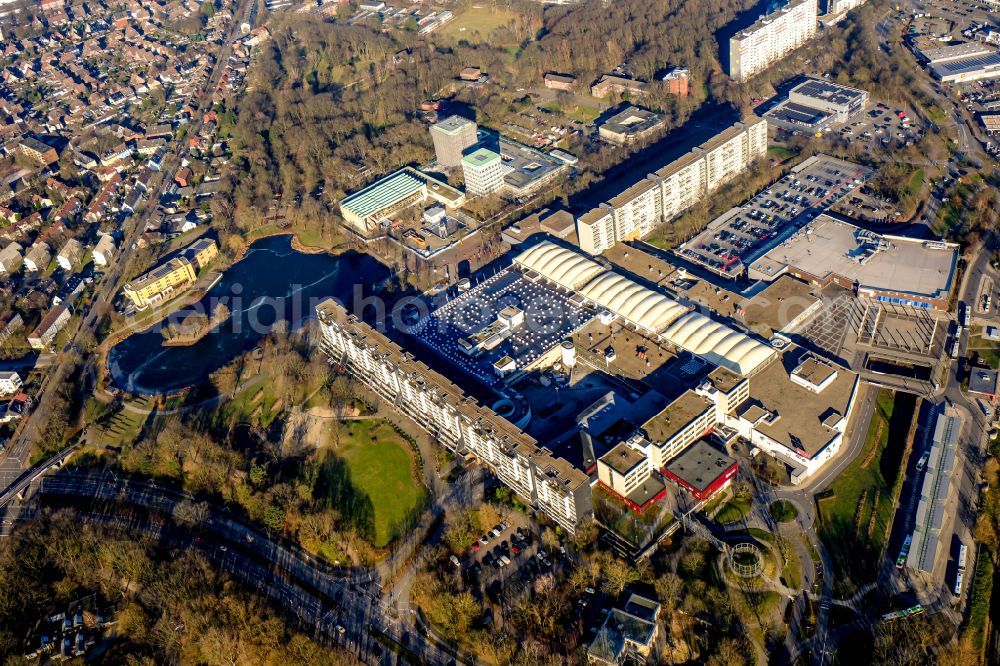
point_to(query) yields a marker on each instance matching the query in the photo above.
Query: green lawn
(780, 153)
(988, 350)
(783, 512)
(381, 467)
(476, 24)
(122, 428)
(847, 513)
(735, 510)
(916, 183)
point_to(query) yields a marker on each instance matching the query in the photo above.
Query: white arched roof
(564, 267)
(643, 307)
(718, 343)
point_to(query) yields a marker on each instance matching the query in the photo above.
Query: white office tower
(452, 136)
(771, 38)
(483, 170)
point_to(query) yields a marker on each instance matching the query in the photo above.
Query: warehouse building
(894, 269)
(365, 209)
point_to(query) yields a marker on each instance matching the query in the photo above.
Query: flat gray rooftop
(828, 92)
(907, 266)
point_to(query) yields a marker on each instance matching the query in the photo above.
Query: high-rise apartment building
(662, 196)
(548, 483)
(771, 38)
(484, 171)
(452, 136)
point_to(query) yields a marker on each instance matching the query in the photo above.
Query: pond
(272, 283)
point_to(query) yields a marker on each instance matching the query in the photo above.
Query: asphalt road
(343, 604)
(16, 456)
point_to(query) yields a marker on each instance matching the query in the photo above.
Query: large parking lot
(737, 237)
(891, 126)
(506, 560)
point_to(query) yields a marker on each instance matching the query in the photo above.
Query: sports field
(476, 23)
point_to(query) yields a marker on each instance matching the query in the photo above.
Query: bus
(962, 556)
(965, 315)
(956, 344)
(924, 457)
(904, 551)
(959, 577)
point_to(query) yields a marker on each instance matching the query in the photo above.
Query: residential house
(45, 333)
(70, 255)
(38, 257)
(104, 251)
(10, 382)
(11, 258)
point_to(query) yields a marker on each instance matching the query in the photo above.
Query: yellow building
(181, 271)
(201, 252)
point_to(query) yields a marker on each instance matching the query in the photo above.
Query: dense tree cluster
(172, 606)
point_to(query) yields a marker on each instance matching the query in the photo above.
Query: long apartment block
(771, 38)
(548, 483)
(665, 194)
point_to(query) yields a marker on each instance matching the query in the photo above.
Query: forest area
(169, 605)
(329, 106)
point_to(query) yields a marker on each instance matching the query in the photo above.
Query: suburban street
(16, 455)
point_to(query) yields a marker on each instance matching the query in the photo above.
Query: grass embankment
(856, 511)
(734, 511)
(381, 467)
(979, 599)
(119, 428)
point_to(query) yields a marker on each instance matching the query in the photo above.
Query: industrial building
(365, 209)
(665, 194)
(452, 136)
(630, 125)
(548, 483)
(894, 269)
(814, 105)
(960, 63)
(771, 38)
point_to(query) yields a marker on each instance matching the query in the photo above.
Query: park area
(381, 468)
(476, 24)
(856, 511)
